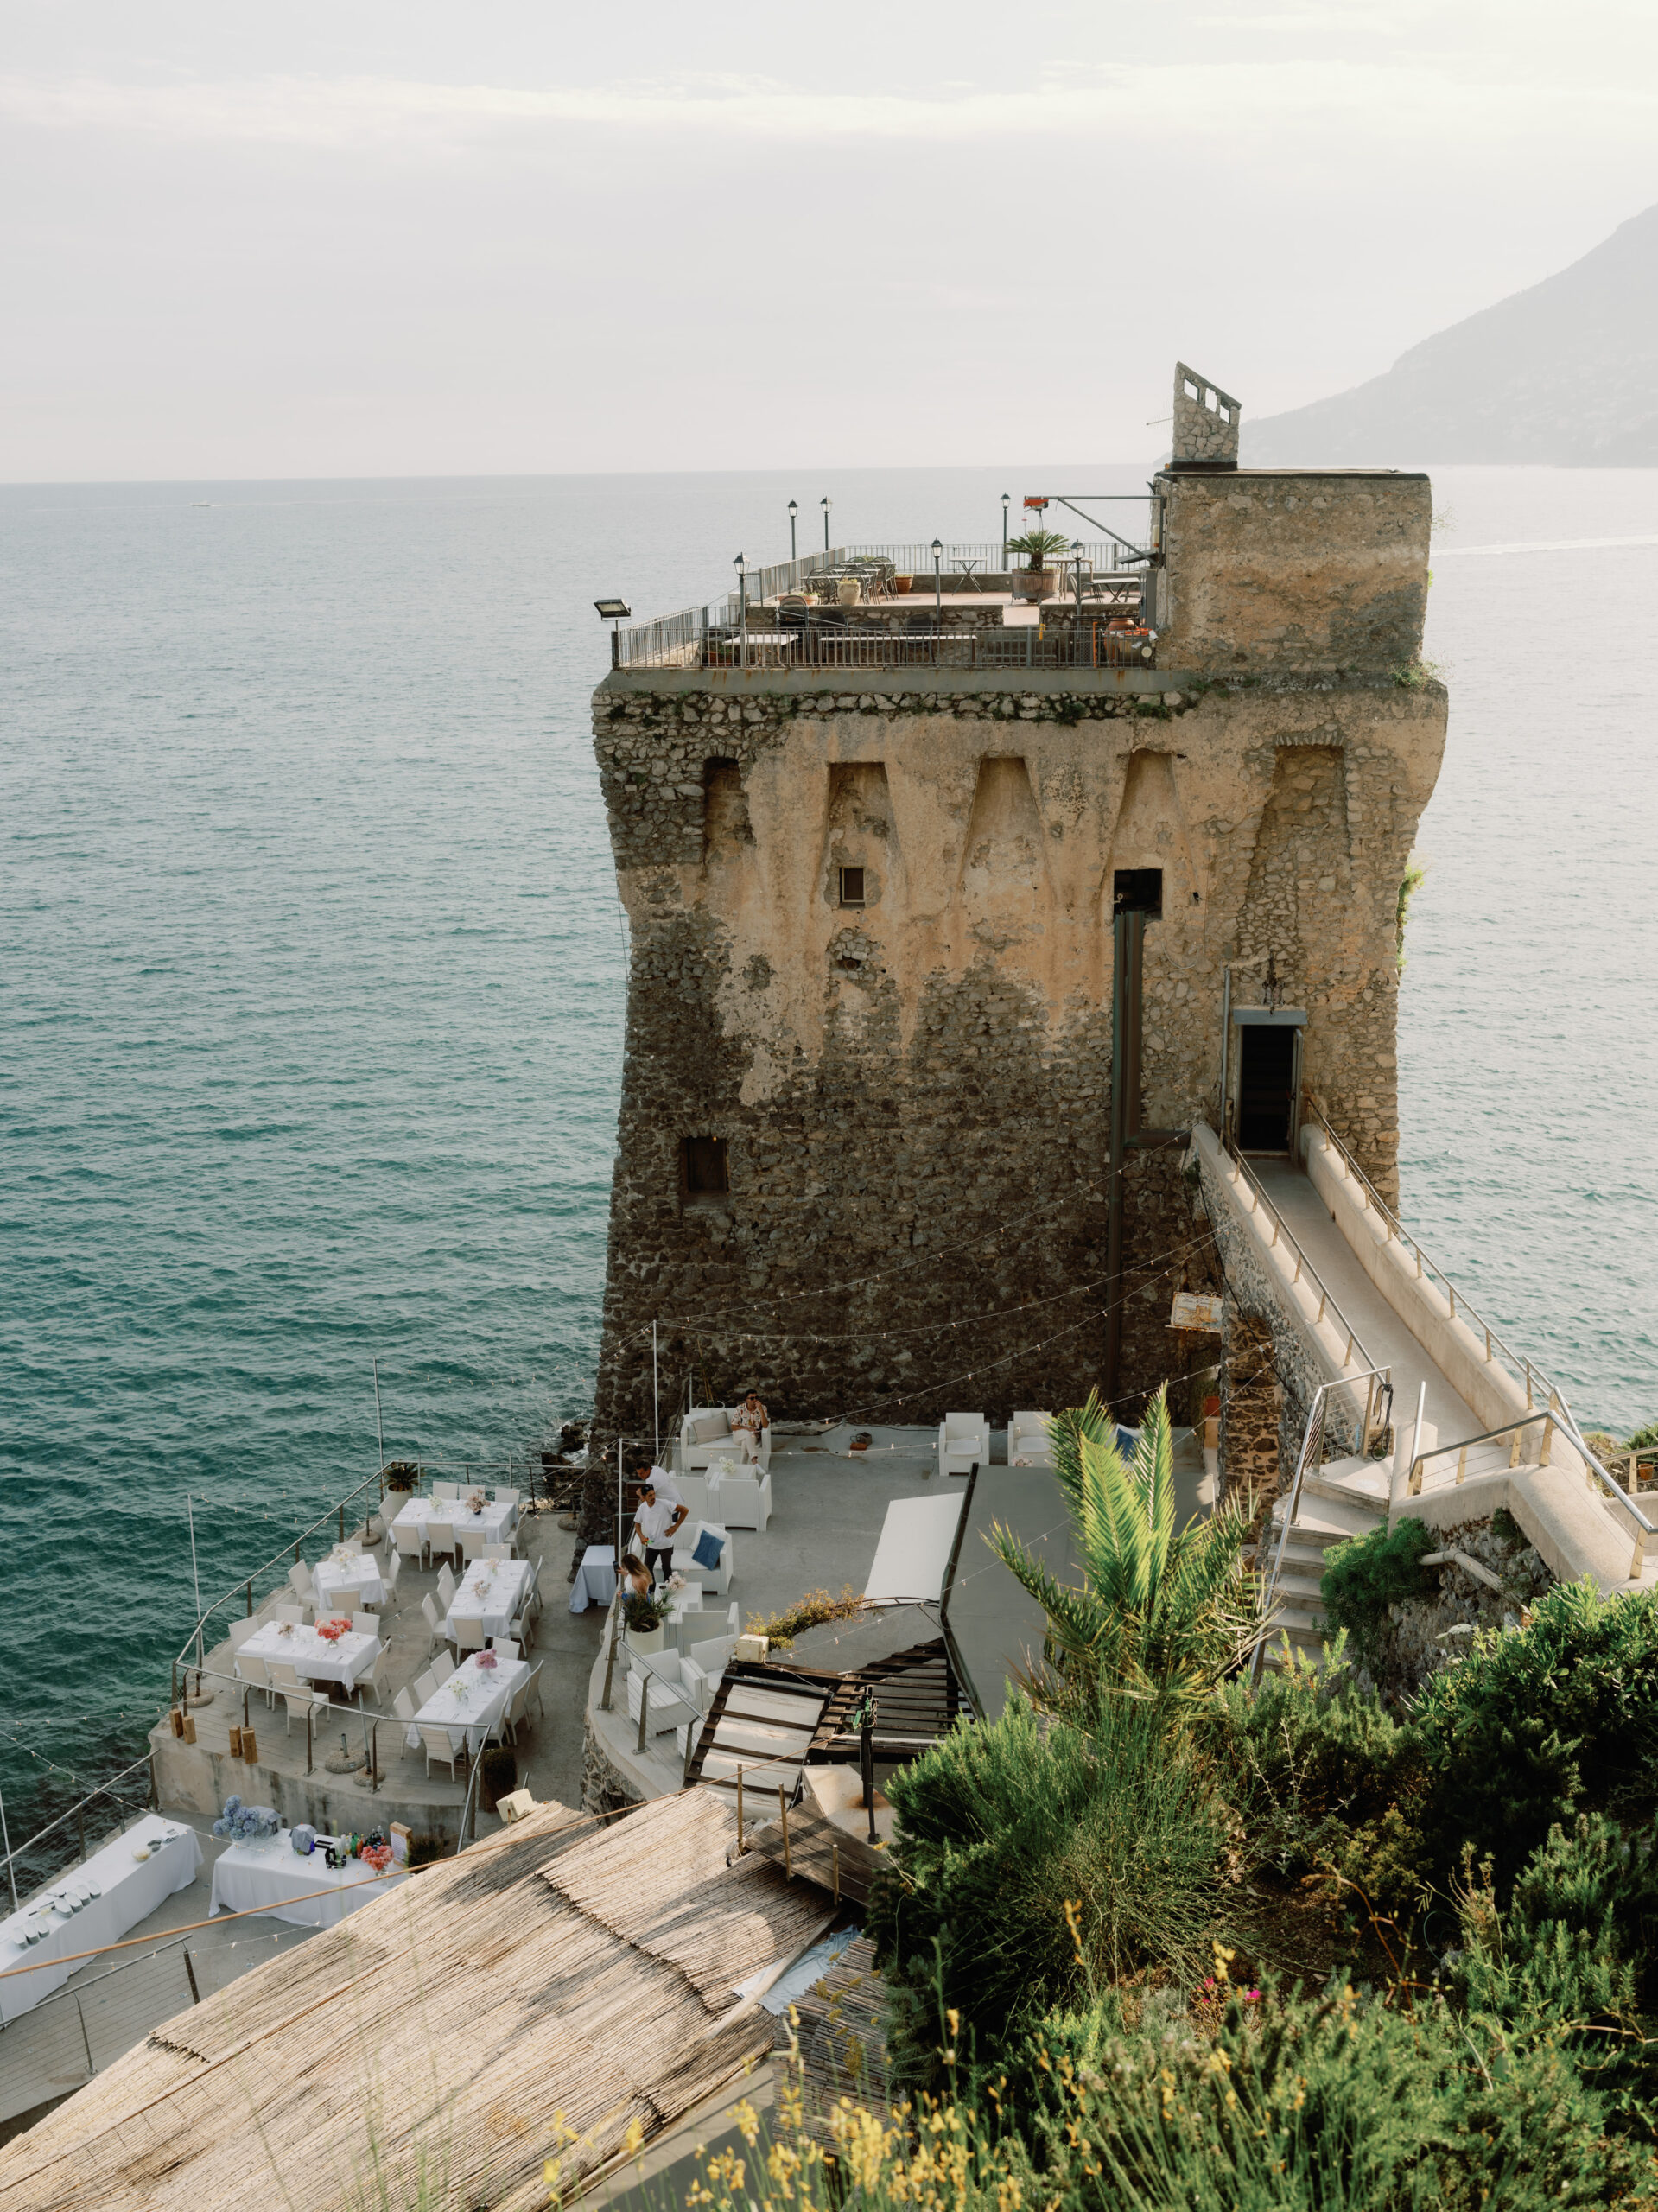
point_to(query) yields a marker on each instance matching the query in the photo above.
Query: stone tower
(865, 1145)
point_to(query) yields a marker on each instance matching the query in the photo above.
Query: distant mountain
(1565, 372)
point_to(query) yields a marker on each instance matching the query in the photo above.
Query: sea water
(312, 967)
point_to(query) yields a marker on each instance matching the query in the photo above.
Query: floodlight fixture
(613, 610)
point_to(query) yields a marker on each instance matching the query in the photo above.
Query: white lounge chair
(742, 1500)
(670, 1701)
(1028, 1442)
(705, 1435)
(710, 1578)
(964, 1443)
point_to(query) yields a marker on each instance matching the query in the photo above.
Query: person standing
(656, 1523)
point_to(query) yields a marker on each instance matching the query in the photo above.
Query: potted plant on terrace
(402, 1475)
(643, 1617)
(1037, 579)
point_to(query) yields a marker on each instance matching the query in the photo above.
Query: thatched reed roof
(563, 1969)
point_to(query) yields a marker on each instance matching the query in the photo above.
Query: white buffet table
(269, 1876)
(133, 1889)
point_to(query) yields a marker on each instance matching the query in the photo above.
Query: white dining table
(130, 1889)
(313, 1657)
(334, 1573)
(470, 1702)
(595, 1579)
(492, 1525)
(492, 1591)
(269, 1876)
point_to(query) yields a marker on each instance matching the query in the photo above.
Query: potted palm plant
(644, 1617)
(1037, 579)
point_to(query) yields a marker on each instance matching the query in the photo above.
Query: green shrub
(1363, 1578)
(1573, 1955)
(1304, 1752)
(1539, 1723)
(1031, 1862)
(1334, 2102)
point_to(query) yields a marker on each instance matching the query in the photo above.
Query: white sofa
(705, 1435)
(1028, 1442)
(964, 1443)
(742, 1500)
(709, 1577)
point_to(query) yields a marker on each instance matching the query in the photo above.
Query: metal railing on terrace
(684, 640)
(1034, 645)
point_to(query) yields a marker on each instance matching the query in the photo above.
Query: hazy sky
(384, 236)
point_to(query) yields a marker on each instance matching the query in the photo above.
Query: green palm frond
(1159, 1610)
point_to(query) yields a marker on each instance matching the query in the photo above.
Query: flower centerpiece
(331, 1632)
(486, 1663)
(476, 1502)
(376, 1855)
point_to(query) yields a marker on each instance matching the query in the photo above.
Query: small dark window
(1137, 891)
(852, 886)
(706, 1175)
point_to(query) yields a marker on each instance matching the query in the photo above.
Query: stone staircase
(1345, 1498)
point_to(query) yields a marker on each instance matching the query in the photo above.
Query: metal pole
(1226, 1038)
(655, 1393)
(618, 1511)
(937, 587)
(826, 516)
(11, 1871)
(793, 551)
(195, 1577)
(378, 1430)
(1004, 529)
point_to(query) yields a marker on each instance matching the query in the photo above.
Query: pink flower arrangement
(376, 1855)
(331, 1632)
(486, 1661)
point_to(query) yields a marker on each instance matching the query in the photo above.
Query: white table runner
(490, 1590)
(270, 1875)
(362, 1573)
(313, 1657)
(470, 1703)
(133, 1889)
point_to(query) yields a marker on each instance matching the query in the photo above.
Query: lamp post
(1076, 555)
(827, 504)
(793, 510)
(741, 567)
(1007, 502)
(937, 587)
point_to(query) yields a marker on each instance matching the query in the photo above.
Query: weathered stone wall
(1293, 570)
(915, 1095)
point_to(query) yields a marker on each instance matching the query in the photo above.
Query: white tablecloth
(595, 1579)
(493, 1525)
(268, 1876)
(362, 1573)
(312, 1658)
(473, 1696)
(133, 1889)
(490, 1590)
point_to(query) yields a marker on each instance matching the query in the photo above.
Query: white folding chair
(253, 1673)
(375, 1678)
(410, 1540)
(438, 1746)
(293, 1614)
(365, 1625)
(433, 1621)
(439, 1537)
(446, 1490)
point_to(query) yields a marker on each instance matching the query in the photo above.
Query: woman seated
(636, 1577)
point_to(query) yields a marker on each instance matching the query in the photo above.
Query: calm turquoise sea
(312, 966)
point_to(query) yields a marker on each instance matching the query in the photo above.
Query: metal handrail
(371, 1720)
(1304, 1266)
(245, 1582)
(79, 1806)
(1312, 1441)
(1465, 1444)
(1534, 1375)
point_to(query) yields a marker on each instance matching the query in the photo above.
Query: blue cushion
(709, 1548)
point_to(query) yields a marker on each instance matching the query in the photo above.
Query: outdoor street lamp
(937, 586)
(741, 567)
(1076, 555)
(827, 503)
(615, 612)
(1007, 502)
(793, 510)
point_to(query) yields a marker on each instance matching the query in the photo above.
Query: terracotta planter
(1033, 583)
(904, 583)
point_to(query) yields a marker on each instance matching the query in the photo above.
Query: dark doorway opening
(1265, 1086)
(1138, 891)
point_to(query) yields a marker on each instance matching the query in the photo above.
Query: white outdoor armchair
(671, 1702)
(742, 1500)
(709, 1577)
(964, 1443)
(1028, 1442)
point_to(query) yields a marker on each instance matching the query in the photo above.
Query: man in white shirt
(655, 1524)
